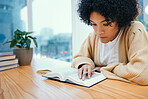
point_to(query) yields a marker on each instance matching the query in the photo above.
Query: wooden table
(24, 83)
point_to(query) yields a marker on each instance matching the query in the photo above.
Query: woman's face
(105, 32)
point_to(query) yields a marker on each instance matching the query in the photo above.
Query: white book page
(53, 75)
(96, 77)
(71, 75)
(62, 73)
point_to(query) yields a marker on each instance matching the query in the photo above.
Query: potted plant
(22, 40)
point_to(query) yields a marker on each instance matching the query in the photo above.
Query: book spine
(9, 67)
(8, 62)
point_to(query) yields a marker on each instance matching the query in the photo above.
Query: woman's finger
(92, 72)
(80, 72)
(89, 71)
(84, 75)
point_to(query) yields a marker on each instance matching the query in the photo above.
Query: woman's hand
(86, 68)
(83, 69)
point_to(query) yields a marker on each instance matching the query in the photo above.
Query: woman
(118, 46)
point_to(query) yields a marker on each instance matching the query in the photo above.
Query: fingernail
(88, 76)
(80, 76)
(83, 78)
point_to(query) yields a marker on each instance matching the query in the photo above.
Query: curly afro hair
(121, 11)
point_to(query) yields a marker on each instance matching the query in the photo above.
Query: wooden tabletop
(24, 83)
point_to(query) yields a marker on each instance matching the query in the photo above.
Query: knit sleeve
(84, 56)
(136, 70)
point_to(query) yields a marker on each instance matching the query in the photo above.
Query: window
(53, 28)
(11, 18)
(143, 17)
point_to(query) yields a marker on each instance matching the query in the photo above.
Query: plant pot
(24, 55)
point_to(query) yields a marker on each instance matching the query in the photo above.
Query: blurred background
(52, 22)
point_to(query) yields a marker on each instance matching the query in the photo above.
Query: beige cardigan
(133, 55)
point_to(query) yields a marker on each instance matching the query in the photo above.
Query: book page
(70, 75)
(61, 73)
(95, 78)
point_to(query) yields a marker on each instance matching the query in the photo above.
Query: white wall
(80, 30)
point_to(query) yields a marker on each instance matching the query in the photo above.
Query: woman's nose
(100, 31)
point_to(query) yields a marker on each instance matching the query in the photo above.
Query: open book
(70, 75)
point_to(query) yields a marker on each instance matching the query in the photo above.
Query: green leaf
(18, 46)
(13, 43)
(7, 40)
(17, 37)
(17, 31)
(31, 37)
(29, 33)
(21, 39)
(28, 43)
(35, 42)
(22, 43)
(26, 37)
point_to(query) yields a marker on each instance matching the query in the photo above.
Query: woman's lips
(103, 37)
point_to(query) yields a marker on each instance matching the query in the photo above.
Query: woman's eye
(93, 24)
(106, 24)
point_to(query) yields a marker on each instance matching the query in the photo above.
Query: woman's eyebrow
(100, 22)
(103, 21)
(92, 21)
